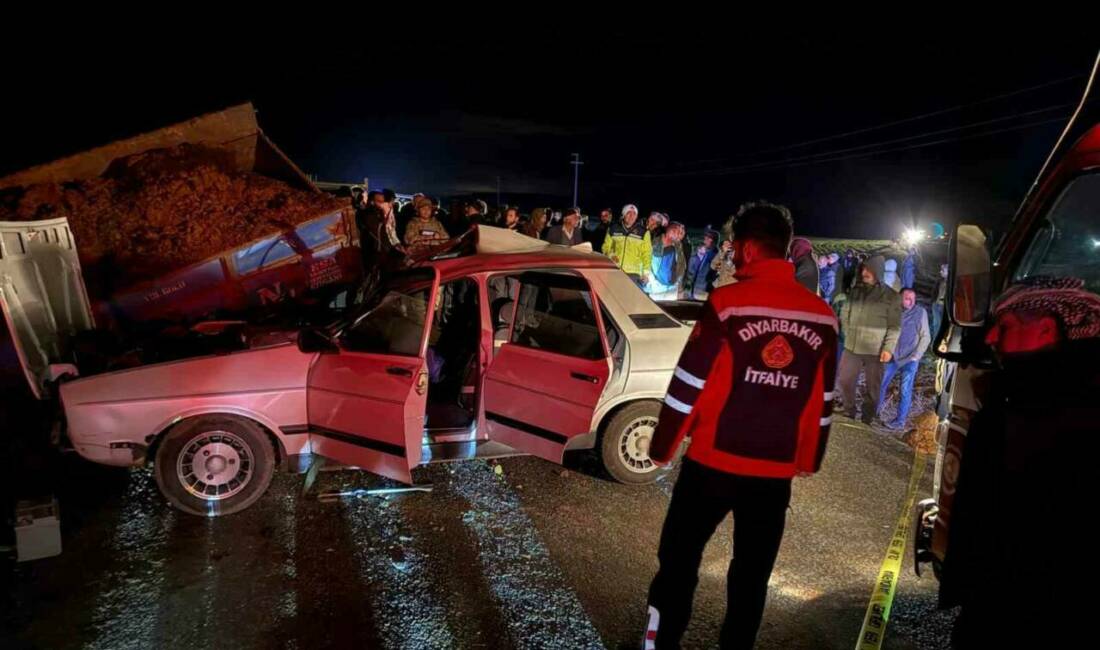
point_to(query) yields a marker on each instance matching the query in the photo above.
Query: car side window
(557, 319)
(261, 254)
(503, 291)
(394, 326)
(614, 336)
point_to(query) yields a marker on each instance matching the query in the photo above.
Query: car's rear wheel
(214, 465)
(625, 444)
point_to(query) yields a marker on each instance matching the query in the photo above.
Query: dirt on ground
(164, 209)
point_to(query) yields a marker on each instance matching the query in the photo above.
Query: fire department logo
(777, 353)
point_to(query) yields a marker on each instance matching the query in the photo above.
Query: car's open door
(366, 400)
(43, 302)
(545, 381)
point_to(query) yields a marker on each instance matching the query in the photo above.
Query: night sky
(691, 122)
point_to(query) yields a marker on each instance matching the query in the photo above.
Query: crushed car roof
(499, 249)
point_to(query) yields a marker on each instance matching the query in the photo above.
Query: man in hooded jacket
(871, 322)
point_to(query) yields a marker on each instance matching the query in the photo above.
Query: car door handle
(583, 377)
(398, 370)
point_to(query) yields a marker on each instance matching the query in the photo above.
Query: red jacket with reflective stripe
(754, 384)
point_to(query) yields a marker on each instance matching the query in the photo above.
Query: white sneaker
(649, 642)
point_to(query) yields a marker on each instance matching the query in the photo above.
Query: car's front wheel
(214, 465)
(625, 444)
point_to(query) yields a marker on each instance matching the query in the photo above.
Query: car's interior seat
(502, 310)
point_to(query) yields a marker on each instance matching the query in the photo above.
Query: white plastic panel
(41, 293)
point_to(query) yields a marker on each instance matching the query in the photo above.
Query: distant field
(823, 245)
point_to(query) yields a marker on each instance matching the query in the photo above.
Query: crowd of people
(655, 252)
(884, 332)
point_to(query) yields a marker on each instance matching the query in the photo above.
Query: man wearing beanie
(629, 245)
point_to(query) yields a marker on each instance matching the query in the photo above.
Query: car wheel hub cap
(215, 465)
(634, 445)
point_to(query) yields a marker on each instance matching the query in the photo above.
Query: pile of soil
(161, 210)
(922, 437)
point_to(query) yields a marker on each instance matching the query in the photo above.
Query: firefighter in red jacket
(753, 389)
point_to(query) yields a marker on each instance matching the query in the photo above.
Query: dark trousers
(848, 375)
(700, 501)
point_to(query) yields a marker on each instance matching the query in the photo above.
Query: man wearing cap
(424, 231)
(567, 233)
(407, 213)
(474, 212)
(629, 245)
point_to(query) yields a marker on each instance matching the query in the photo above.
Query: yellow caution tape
(878, 610)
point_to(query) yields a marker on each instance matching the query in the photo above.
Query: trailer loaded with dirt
(201, 220)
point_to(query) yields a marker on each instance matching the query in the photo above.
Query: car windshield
(394, 325)
(374, 296)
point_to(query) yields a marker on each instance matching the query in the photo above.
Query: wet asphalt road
(532, 557)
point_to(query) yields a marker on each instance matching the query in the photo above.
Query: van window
(1068, 243)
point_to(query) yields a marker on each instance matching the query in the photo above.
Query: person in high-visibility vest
(628, 244)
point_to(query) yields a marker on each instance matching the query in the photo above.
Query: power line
(922, 145)
(769, 163)
(905, 120)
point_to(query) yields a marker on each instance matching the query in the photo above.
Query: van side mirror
(971, 276)
(311, 339)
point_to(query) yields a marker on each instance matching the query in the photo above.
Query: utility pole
(576, 174)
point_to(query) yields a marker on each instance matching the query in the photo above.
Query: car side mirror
(971, 276)
(311, 339)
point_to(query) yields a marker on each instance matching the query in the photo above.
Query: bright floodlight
(912, 236)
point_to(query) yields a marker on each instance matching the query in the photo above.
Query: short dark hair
(569, 211)
(767, 224)
(910, 289)
(373, 193)
(388, 195)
